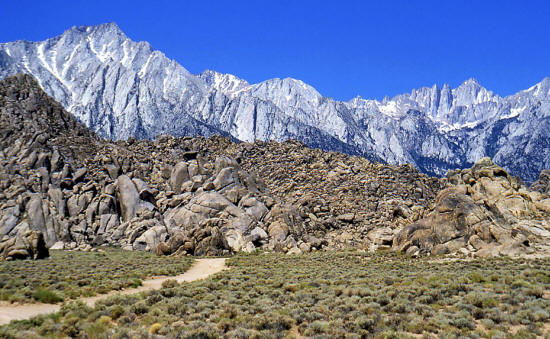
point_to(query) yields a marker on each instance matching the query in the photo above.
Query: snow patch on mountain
(121, 88)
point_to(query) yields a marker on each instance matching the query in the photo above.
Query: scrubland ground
(67, 275)
(324, 295)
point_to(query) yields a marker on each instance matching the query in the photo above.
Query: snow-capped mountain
(121, 88)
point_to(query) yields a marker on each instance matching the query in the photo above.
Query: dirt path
(201, 269)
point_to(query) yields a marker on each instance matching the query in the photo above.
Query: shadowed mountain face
(120, 88)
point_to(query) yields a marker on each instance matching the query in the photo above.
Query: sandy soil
(201, 269)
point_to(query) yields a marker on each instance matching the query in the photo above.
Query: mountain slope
(121, 88)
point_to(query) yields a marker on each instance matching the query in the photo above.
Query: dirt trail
(200, 269)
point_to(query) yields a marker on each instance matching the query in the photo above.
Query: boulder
(37, 219)
(128, 197)
(380, 238)
(542, 185)
(258, 235)
(60, 245)
(178, 176)
(278, 231)
(29, 244)
(224, 178)
(347, 217)
(483, 210)
(150, 239)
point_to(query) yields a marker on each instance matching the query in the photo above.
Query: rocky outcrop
(542, 185)
(25, 245)
(484, 212)
(345, 201)
(76, 190)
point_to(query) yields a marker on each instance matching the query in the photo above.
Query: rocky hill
(347, 200)
(120, 88)
(485, 212)
(65, 187)
(192, 195)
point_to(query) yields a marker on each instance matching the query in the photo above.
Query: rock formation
(208, 196)
(26, 244)
(483, 211)
(347, 201)
(61, 181)
(542, 185)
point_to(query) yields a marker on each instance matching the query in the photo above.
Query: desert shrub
(476, 277)
(523, 334)
(169, 283)
(140, 307)
(464, 323)
(90, 273)
(481, 300)
(365, 323)
(328, 295)
(535, 291)
(47, 296)
(318, 327)
(116, 311)
(155, 328)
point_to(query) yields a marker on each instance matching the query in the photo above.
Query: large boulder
(208, 205)
(129, 198)
(37, 219)
(542, 185)
(484, 211)
(179, 175)
(150, 239)
(28, 245)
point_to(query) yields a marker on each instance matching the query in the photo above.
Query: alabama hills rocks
(28, 244)
(210, 196)
(348, 201)
(542, 185)
(483, 211)
(60, 180)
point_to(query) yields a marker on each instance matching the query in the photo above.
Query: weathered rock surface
(484, 211)
(542, 185)
(337, 198)
(28, 244)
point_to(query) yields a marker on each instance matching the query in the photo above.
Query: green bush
(169, 283)
(44, 295)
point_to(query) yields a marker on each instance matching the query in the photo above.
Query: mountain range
(120, 88)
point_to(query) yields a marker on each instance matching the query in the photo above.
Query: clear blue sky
(342, 48)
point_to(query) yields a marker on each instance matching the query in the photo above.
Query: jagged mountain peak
(121, 88)
(540, 90)
(471, 82)
(225, 82)
(109, 27)
(472, 92)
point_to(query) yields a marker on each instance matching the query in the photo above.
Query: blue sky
(342, 48)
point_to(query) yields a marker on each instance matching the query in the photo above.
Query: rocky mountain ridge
(120, 88)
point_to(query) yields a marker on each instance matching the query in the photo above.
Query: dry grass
(68, 275)
(326, 295)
